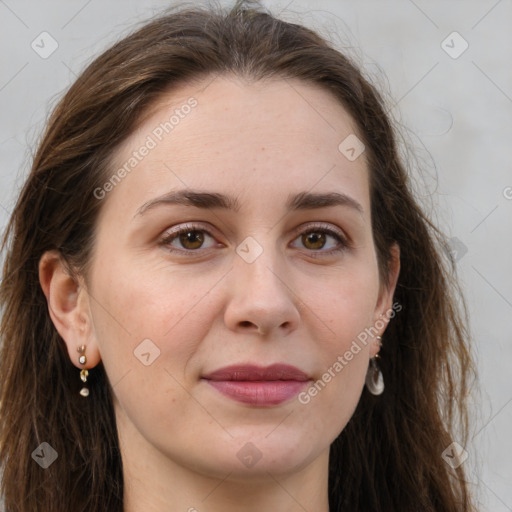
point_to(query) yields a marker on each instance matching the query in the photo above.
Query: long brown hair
(389, 456)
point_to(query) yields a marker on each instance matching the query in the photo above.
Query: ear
(68, 305)
(384, 306)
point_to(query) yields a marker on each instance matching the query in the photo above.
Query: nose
(262, 297)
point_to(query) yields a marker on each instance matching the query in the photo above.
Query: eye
(316, 238)
(190, 237)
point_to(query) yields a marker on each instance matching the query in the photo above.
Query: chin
(253, 455)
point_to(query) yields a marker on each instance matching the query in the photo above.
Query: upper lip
(247, 372)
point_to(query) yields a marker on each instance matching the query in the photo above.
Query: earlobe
(68, 307)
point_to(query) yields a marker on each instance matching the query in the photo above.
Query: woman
(220, 294)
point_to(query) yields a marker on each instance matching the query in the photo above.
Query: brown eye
(315, 238)
(192, 239)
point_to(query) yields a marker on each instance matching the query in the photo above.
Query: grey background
(455, 113)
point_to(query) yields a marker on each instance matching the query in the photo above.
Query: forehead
(254, 138)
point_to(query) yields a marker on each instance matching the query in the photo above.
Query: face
(181, 288)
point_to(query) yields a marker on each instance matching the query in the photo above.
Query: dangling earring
(374, 380)
(84, 373)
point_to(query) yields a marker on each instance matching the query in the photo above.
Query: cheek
(137, 312)
(344, 313)
(148, 330)
(332, 398)
(346, 302)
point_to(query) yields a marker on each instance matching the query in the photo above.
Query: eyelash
(344, 244)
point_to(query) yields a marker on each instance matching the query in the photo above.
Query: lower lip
(259, 392)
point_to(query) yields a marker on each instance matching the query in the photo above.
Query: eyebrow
(214, 200)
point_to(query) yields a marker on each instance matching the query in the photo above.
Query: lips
(256, 385)
(252, 373)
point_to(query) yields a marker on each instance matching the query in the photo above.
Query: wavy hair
(388, 457)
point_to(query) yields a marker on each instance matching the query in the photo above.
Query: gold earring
(84, 373)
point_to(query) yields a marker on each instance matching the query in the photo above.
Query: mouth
(256, 385)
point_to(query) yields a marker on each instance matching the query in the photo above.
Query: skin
(258, 142)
